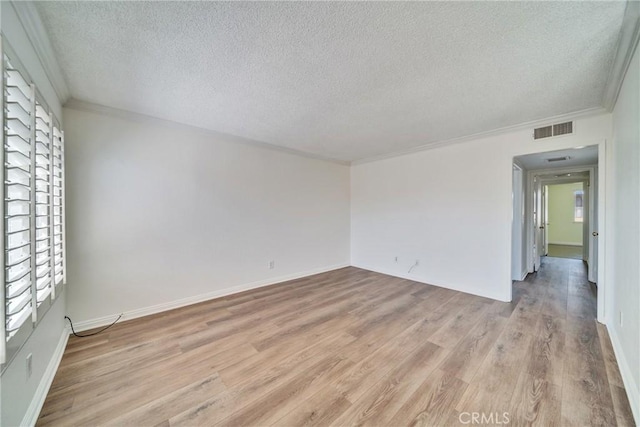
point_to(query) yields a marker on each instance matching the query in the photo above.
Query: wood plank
(621, 406)
(449, 335)
(526, 314)
(610, 362)
(432, 402)
(251, 388)
(546, 358)
(170, 404)
(467, 357)
(492, 387)
(277, 359)
(555, 303)
(585, 388)
(535, 402)
(273, 405)
(368, 371)
(98, 409)
(321, 409)
(384, 399)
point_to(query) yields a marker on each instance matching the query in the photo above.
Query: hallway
(573, 351)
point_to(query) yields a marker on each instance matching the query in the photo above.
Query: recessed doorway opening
(565, 219)
(556, 211)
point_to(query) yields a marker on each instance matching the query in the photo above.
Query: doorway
(556, 231)
(565, 220)
(544, 173)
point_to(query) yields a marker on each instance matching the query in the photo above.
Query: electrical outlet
(396, 260)
(272, 265)
(29, 365)
(621, 318)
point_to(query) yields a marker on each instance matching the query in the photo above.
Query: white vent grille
(544, 132)
(553, 130)
(563, 128)
(558, 159)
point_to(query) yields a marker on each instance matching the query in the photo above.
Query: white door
(544, 213)
(538, 226)
(517, 226)
(591, 210)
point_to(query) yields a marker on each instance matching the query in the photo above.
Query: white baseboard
(33, 411)
(633, 394)
(524, 274)
(565, 243)
(145, 311)
(474, 291)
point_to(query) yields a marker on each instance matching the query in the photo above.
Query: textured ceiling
(340, 80)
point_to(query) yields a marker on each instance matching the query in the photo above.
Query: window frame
(578, 195)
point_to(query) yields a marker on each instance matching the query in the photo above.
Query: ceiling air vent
(544, 132)
(553, 130)
(558, 159)
(562, 128)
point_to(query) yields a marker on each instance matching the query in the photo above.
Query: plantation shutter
(18, 185)
(57, 182)
(33, 248)
(44, 244)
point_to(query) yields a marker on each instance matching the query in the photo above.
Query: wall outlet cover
(29, 365)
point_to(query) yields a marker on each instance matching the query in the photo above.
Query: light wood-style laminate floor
(352, 347)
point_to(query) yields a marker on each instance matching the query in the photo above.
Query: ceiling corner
(627, 43)
(33, 26)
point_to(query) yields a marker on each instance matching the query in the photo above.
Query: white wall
(561, 227)
(19, 394)
(624, 204)
(160, 215)
(450, 208)
(23, 396)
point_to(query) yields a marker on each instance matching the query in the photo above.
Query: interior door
(544, 212)
(591, 211)
(538, 226)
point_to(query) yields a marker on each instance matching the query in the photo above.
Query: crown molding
(78, 105)
(33, 26)
(495, 132)
(627, 43)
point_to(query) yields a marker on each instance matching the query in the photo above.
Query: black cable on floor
(95, 333)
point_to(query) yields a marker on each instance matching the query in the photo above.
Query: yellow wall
(562, 228)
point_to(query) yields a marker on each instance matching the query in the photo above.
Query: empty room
(320, 213)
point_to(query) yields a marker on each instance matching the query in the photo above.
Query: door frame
(518, 224)
(589, 214)
(592, 211)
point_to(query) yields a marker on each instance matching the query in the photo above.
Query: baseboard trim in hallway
(633, 394)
